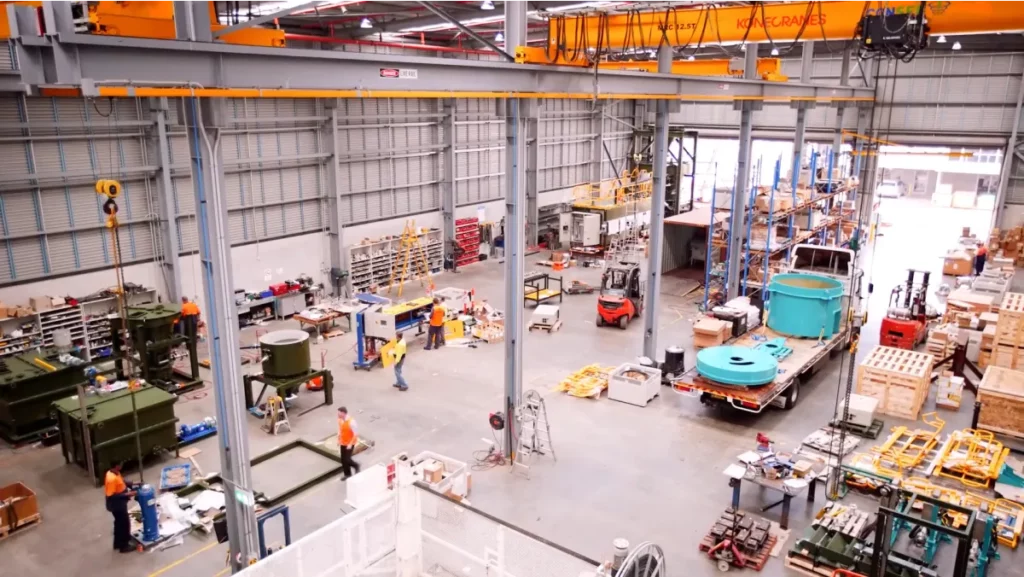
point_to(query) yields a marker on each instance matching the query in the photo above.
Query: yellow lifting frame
(972, 457)
(908, 448)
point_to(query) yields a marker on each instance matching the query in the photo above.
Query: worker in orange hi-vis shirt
(347, 438)
(435, 334)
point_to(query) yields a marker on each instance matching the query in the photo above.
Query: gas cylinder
(146, 496)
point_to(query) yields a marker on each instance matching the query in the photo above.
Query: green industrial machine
(286, 367)
(29, 383)
(154, 340)
(112, 426)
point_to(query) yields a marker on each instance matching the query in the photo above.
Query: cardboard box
(22, 312)
(957, 264)
(57, 302)
(433, 472)
(710, 332)
(801, 469)
(781, 201)
(40, 304)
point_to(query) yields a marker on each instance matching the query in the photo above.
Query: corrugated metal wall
(273, 180)
(390, 155)
(53, 151)
(949, 99)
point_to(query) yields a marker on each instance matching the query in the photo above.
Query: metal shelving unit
(373, 262)
(825, 197)
(88, 321)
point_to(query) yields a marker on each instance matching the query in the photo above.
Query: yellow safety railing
(612, 192)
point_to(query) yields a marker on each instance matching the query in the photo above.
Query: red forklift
(905, 325)
(622, 295)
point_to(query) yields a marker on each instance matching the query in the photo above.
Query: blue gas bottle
(146, 496)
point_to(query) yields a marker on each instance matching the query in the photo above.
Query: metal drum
(285, 354)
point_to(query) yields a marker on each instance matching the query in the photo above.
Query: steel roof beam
(264, 19)
(465, 29)
(111, 60)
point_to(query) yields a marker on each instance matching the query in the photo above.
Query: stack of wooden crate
(1008, 342)
(1001, 394)
(942, 341)
(898, 378)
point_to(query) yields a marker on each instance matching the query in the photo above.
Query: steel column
(737, 214)
(597, 144)
(806, 62)
(515, 25)
(168, 217)
(657, 228)
(448, 173)
(799, 135)
(532, 171)
(332, 174)
(192, 21)
(1011, 148)
(203, 119)
(515, 225)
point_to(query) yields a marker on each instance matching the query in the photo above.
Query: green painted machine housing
(285, 354)
(153, 337)
(112, 428)
(28, 389)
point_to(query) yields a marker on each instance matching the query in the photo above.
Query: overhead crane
(572, 37)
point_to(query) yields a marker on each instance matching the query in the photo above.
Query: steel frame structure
(60, 62)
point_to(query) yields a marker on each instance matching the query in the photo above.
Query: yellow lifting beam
(767, 68)
(769, 21)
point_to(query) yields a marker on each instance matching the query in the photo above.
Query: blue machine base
(192, 438)
(734, 365)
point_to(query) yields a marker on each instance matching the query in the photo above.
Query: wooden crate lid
(1002, 381)
(899, 361)
(1013, 303)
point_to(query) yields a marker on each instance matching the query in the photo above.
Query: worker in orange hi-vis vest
(347, 438)
(118, 493)
(435, 334)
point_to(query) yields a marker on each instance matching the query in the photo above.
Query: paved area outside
(651, 473)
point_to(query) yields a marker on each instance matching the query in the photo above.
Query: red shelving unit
(467, 236)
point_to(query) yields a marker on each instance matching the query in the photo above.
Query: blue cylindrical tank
(803, 305)
(146, 496)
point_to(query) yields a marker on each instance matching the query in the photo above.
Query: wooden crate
(1007, 356)
(941, 341)
(18, 508)
(1010, 325)
(898, 378)
(1001, 394)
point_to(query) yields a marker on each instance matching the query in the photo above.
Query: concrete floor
(649, 473)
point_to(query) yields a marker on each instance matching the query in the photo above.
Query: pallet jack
(906, 326)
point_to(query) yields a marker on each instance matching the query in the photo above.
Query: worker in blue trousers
(398, 358)
(118, 493)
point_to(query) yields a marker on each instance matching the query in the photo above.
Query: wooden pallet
(898, 378)
(22, 526)
(549, 328)
(755, 562)
(801, 564)
(1001, 393)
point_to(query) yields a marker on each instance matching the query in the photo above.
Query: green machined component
(112, 426)
(152, 329)
(286, 367)
(285, 354)
(29, 383)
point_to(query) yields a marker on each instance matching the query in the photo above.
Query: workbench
(328, 320)
(539, 287)
(788, 490)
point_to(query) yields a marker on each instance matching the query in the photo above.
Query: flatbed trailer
(807, 358)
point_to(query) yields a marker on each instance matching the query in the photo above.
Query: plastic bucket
(803, 305)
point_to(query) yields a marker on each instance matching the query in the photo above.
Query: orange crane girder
(782, 22)
(767, 68)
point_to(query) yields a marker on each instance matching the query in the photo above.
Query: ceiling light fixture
(499, 37)
(956, 45)
(487, 5)
(690, 58)
(743, 47)
(365, 23)
(941, 40)
(775, 51)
